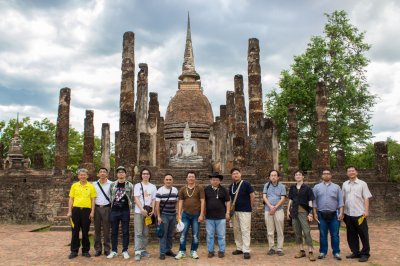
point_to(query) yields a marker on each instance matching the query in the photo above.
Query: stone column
(340, 160)
(381, 160)
(161, 152)
(321, 105)
(105, 145)
(231, 122)
(38, 162)
(1, 156)
(62, 131)
(127, 123)
(144, 147)
(152, 122)
(263, 160)
(293, 143)
(240, 108)
(141, 101)
(88, 143)
(254, 83)
(117, 149)
(223, 135)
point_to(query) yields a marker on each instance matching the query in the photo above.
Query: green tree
(338, 57)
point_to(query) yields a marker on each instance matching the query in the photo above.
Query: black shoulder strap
(269, 183)
(169, 195)
(107, 198)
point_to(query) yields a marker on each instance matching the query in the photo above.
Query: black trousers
(356, 232)
(81, 220)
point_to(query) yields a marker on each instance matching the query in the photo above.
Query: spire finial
(16, 133)
(188, 69)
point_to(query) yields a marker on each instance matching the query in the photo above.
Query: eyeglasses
(326, 173)
(145, 174)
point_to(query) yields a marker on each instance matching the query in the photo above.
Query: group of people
(109, 203)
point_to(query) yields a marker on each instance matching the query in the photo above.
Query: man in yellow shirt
(81, 210)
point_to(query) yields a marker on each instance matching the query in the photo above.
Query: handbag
(232, 211)
(148, 209)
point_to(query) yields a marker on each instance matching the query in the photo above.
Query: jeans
(141, 233)
(117, 216)
(219, 227)
(80, 218)
(169, 222)
(333, 226)
(189, 220)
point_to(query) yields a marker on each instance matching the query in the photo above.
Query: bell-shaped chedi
(189, 105)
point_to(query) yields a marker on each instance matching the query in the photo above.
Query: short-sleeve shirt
(101, 199)
(243, 201)
(215, 202)
(300, 198)
(191, 199)
(354, 194)
(121, 201)
(274, 194)
(82, 194)
(149, 191)
(162, 196)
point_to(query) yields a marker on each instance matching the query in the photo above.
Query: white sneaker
(126, 255)
(113, 254)
(137, 255)
(181, 255)
(194, 255)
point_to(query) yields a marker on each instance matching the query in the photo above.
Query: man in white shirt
(145, 196)
(102, 213)
(356, 210)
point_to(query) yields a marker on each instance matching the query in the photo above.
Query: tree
(338, 57)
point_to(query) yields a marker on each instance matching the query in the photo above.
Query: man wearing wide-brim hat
(217, 213)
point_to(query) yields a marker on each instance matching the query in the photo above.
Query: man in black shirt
(217, 212)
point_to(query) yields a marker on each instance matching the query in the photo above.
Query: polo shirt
(274, 194)
(215, 202)
(162, 196)
(82, 194)
(354, 194)
(243, 202)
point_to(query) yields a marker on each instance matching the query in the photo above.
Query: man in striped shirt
(166, 204)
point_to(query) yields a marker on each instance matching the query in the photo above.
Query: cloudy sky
(46, 45)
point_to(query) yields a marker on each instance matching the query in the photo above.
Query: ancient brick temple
(189, 136)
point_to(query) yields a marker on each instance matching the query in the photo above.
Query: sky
(46, 45)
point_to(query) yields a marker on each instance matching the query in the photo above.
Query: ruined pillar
(263, 157)
(88, 143)
(1, 156)
(144, 147)
(152, 122)
(117, 149)
(141, 102)
(381, 160)
(161, 151)
(127, 122)
(340, 160)
(231, 122)
(62, 131)
(105, 145)
(240, 108)
(293, 143)
(255, 89)
(38, 162)
(321, 105)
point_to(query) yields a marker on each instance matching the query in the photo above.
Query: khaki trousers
(241, 230)
(102, 227)
(275, 222)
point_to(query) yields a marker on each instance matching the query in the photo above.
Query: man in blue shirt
(328, 211)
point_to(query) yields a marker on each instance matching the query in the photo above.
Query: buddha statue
(186, 149)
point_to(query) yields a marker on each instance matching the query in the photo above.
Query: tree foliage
(338, 57)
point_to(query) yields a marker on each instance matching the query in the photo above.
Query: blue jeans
(333, 226)
(189, 220)
(219, 227)
(169, 222)
(117, 216)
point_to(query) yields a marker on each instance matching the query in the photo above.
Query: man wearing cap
(102, 213)
(121, 195)
(242, 198)
(81, 207)
(217, 213)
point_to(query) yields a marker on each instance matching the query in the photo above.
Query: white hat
(180, 226)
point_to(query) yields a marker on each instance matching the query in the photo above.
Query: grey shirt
(274, 194)
(328, 197)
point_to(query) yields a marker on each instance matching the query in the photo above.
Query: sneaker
(210, 254)
(237, 252)
(221, 254)
(321, 256)
(246, 255)
(194, 255)
(271, 252)
(311, 256)
(113, 254)
(126, 255)
(337, 256)
(72, 255)
(300, 254)
(86, 254)
(162, 256)
(138, 256)
(363, 258)
(280, 253)
(97, 253)
(145, 254)
(170, 254)
(181, 255)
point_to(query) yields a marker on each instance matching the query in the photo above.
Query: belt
(103, 206)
